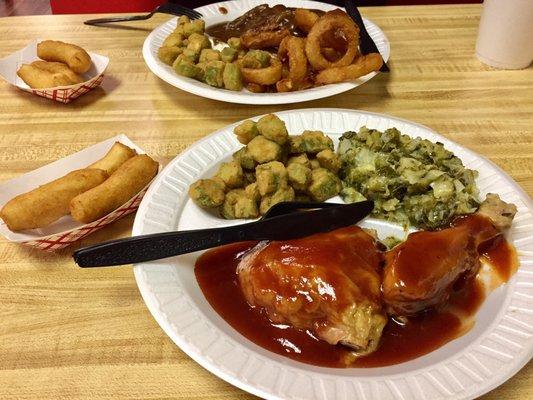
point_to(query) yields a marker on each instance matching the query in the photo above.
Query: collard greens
(412, 181)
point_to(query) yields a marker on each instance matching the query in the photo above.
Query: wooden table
(68, 333)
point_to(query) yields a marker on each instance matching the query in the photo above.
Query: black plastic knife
(162, 245)
(366, 43)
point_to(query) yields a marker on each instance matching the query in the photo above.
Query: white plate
(500, 343)
(213, 16)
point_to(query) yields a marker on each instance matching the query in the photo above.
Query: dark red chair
(103, 6)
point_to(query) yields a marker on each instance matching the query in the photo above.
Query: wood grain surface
(68, 333)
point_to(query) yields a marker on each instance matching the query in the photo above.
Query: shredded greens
(412, 181)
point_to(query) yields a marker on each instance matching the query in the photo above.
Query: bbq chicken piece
(420, 273)
(327, 283)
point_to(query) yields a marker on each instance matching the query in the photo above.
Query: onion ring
(331, 54)
(255, 88)
(304, 19)
(263, 76)
(332, 21)
(293, 48)
(362, 66)
(257, 39)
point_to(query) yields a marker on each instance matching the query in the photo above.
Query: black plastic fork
(167, 8)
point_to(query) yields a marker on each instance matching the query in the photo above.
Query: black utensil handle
(366, 43)
(158, 245)
(98, 21)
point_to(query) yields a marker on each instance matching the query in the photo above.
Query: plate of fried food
(429, 297)
(54, 69)
(258, 52)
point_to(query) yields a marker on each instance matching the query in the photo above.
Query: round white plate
(213, 16)
(499, 344)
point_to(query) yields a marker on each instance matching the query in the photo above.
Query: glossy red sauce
(216, 274)
(502, 258)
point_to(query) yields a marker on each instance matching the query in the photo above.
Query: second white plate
(213, 16)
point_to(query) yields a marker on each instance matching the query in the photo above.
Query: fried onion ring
(331, 54)
(304, 19)
(332, 21)
(362, 66)
(293, 48)
(257, 39)
(263, 76)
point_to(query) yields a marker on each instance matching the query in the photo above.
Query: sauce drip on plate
(401, 341)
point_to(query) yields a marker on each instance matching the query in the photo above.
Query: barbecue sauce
(401, 340)
(258, 18)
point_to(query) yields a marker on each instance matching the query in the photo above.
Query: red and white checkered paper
(64, 94)
(59, 241)
(67, 94)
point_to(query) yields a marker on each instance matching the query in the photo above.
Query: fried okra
(214, 73)
(207, 193)
(175, 39)
(249, 177)
(256, 59)
(183, 19)
(198, 42)
(169, 54)
(231, 173)
(311, 142)
(209, 55)
(184, 67)
(238, 204)
(200, 73)
(314, 163)
(273, 128)
(263, 150)
(299, 176)
(324, 184)
(190, 55)
(235, 43)
(270, 177)
(195, 26)
(252, 191)
(329, 160)
(243, 157)
(246, 131)
(299, 159)
(232, 77)
(228, 54)
(283, 194)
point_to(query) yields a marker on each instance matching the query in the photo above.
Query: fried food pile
(272, 167)
(64, 62)
(277, 49)
(86, 194)
(340, 285)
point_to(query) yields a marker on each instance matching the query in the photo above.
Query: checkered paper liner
(59, 241)
(69, 93)
(63, 94)
(66, 230)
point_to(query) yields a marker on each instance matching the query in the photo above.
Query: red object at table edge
(103, 6)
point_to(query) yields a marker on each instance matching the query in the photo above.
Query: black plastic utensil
(366, 43)
(166, 8)
(279, 227)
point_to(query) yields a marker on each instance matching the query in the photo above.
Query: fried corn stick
(74, 56)
(118, 155)
(126, 181)
(49, 202)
